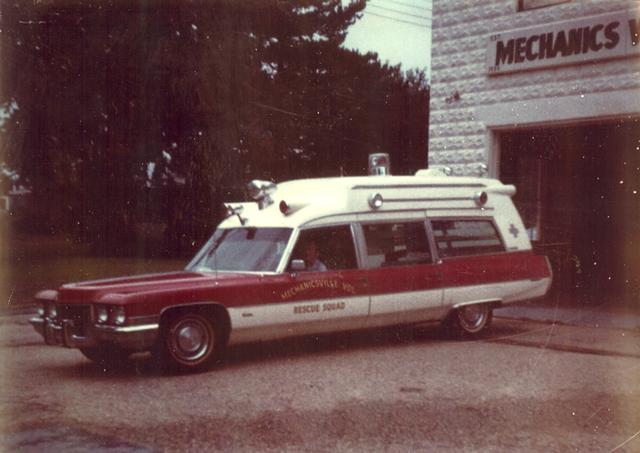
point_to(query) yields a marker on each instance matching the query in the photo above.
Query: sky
(398, 30)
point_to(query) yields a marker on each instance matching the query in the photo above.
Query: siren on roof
(261, 191)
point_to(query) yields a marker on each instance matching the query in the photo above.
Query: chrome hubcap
(472, 316)
(191, 340)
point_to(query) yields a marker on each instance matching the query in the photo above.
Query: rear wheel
(469, 321)
(189, 342)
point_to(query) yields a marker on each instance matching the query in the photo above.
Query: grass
(30, 263)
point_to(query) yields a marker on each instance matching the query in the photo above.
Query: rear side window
(466, 237)
(396, 244)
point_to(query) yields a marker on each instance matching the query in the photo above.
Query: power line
(410, 5)
(399, 20)
(306, 116)
(395, 11)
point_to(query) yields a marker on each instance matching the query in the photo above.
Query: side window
(466, 237)
(396, 244)
(329, 248)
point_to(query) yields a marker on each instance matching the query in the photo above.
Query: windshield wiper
(217, 242)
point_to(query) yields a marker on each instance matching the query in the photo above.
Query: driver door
(330, 296)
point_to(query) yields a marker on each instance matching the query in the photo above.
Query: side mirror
(297, 266)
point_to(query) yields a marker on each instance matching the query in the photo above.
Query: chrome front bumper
(134, 338)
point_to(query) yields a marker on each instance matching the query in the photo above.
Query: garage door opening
(579, 196)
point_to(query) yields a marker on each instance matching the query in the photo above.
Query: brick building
(545, 94)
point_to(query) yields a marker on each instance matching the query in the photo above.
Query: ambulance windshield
(242, 249)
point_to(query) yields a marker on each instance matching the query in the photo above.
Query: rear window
(466, 237)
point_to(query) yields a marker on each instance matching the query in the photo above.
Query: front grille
(79, 314)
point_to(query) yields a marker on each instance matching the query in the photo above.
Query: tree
(193, 99)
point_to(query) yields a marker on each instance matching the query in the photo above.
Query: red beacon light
(290, 208)
(284, 207)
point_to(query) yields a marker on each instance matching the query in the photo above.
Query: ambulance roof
(310, 199)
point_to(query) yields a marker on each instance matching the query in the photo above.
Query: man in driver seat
(311, 260)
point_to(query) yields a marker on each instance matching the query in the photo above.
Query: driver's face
(310, 253)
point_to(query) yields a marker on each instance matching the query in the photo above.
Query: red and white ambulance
(315, 256)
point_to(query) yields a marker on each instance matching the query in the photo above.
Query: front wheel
(469, 321)
(189, 342)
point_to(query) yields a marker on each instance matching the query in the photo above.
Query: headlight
(110, 314)
(40, 310)
(119, 316)
(102, 314)
(52, 310)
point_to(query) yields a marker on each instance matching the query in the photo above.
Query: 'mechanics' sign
(592, 38)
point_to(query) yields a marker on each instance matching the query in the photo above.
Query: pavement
(595, 339)
(605, 315)
(609, 328)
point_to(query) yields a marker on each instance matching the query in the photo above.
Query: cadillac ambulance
(315, 256)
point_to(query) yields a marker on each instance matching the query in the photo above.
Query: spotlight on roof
(235, 210)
